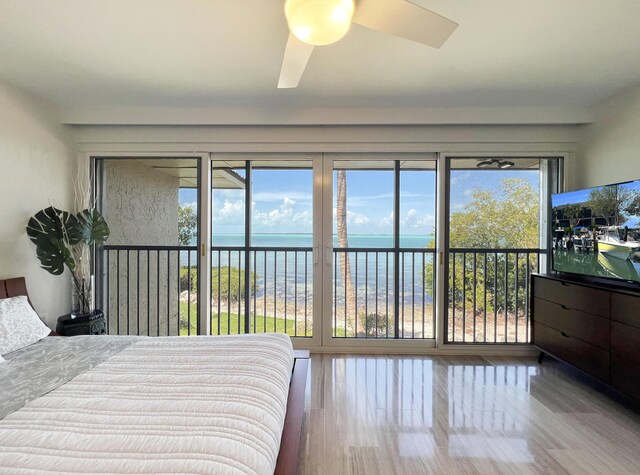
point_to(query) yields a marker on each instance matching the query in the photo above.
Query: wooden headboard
(13, 288)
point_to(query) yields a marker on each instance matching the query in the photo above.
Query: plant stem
(81, 291)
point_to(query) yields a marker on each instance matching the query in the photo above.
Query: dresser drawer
(584, 356)
(625, 341)
(625, 375)
(578, 324)
(625, 309)
(574, 296)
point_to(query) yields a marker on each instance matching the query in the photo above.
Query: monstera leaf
(53, 254)
(92, 227)
(54, 223)
(55, 233)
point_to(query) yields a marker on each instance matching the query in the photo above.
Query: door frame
(204, 205)
(442, 244)
(358, 344)
(316, 190)
(323, 190)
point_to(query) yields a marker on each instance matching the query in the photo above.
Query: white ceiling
(217, 61)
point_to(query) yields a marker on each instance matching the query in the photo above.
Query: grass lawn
(229, 323)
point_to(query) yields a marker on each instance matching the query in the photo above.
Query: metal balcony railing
(488, 295)
(383, 293)
(380, 294)
(275, 293)
(144, 290)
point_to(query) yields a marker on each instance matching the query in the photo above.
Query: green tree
(187, 225)
(572, 212)
(231, 281)
(633, 207)
(505, 219)
(613, 202)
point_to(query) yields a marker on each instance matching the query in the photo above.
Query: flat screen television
(596, 232)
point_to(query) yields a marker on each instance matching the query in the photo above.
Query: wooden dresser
(592, 327)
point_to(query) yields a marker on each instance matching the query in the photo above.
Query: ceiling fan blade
(295, 60)
(404, 19)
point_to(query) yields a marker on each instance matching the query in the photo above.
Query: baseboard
(462, 350)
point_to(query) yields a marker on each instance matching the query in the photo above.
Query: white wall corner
(37, 162)
(609, 149)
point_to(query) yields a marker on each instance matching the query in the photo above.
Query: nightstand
(92, 324)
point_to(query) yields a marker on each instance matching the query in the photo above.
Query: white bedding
(209, 405)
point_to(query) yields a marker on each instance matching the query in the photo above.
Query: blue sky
(282, 200)
(464, 182)
(578, 196)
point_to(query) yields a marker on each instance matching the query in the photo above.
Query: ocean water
(306, 240)
(286, 274)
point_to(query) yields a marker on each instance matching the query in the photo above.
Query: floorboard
(472, 415)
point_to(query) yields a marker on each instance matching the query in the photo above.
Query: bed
(110, 404)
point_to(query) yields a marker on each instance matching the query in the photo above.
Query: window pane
(276, 269)
(363, 204)
(228, 203)
(379, 291)
(150, 259)
(494, 230)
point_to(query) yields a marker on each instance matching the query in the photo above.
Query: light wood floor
(403, 415)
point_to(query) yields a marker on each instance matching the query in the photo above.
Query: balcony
(488, 295)
(152, 290)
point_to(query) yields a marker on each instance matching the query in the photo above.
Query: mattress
(158, 405)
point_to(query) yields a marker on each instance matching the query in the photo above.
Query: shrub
(375, 324)
(184, 279)
(231, 281)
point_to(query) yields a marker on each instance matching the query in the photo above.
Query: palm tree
(345, 265)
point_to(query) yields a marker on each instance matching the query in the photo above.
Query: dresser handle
(565, 335)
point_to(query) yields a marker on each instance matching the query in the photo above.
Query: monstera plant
(63, 239)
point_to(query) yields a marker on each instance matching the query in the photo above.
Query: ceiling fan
(322, 22)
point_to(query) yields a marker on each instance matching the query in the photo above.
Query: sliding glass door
(496, 237)
(146, 273)
(262, 275)
(380, 247)
(344, 250)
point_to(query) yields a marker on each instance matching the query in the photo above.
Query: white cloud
(352, 218)
(415, 220)
(274, 196)
(230, 213)
(283, 215)
(231, 209)
(304, 217)
(387, 220)
(357, 218)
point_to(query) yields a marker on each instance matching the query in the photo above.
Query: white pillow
(20, 325)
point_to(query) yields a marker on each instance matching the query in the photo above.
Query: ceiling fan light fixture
(485, 163)
(319, 22)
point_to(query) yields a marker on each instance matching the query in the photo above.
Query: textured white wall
(609, 151)
(141, 208)
(37, 169)
(141, 204)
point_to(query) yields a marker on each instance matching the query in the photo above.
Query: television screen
(596, 232)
